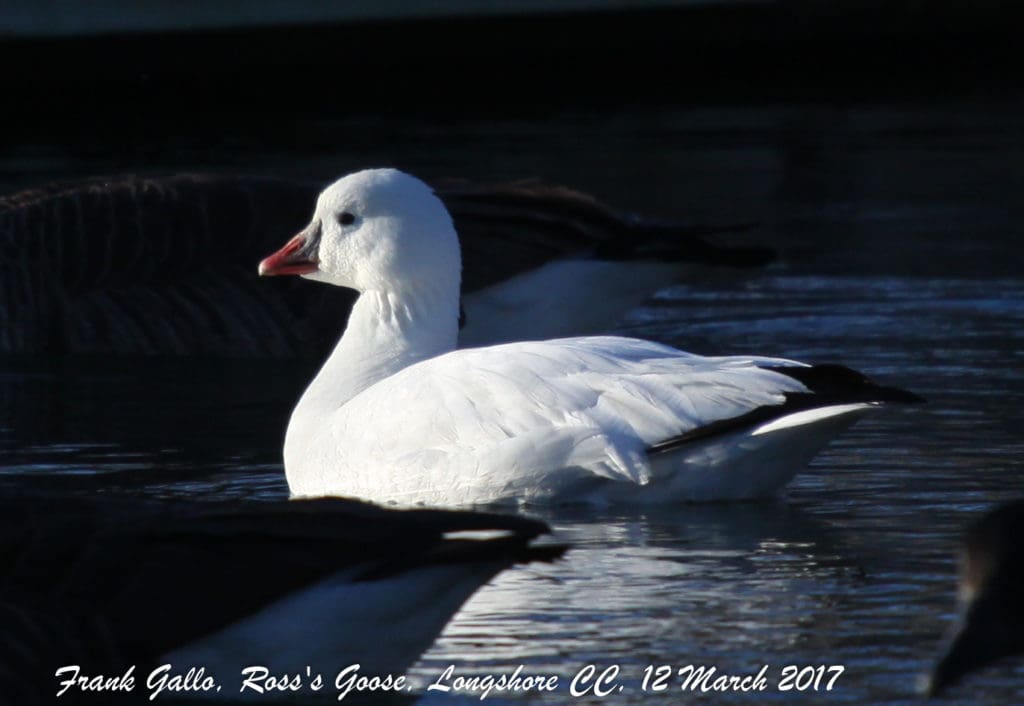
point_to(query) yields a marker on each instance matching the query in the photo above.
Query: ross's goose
(991, 626)
(105, 584)
(163, 265)
(396, 416)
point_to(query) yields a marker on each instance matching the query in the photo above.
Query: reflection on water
(901, 259)
(856, 567)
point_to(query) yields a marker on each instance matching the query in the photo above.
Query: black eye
(346, 219)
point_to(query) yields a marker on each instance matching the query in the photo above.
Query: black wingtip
(846, 385)
(827, 385)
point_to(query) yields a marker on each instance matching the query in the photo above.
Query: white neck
(386, 332)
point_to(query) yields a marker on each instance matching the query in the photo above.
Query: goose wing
(510, 416)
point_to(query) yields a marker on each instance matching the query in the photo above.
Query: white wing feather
(531, 418)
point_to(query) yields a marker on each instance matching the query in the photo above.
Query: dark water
(899, 228)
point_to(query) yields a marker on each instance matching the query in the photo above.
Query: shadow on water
(167, 427)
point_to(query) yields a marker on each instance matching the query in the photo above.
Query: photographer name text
(590, 680)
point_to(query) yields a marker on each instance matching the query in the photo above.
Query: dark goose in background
(992, 596)
(112, 583)
(167, 265)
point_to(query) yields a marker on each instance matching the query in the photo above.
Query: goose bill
(297, 257)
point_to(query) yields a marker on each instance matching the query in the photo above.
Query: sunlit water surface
(898, 231)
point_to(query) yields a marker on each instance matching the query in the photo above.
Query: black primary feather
(827, 385)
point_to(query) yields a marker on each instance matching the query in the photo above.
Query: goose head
(375, 230)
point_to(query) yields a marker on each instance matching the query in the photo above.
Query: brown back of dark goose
(166, 265)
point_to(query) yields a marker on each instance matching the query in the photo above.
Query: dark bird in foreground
(107, 584)
(991, 592)
(163, 265)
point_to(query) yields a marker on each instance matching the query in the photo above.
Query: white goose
(397, 415)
